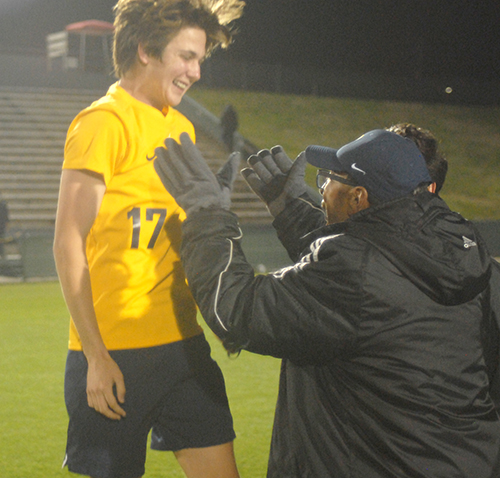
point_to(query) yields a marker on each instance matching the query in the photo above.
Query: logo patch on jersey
(468, 243)
(151, 158)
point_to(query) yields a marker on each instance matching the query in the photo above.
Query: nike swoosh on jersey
(151, 158)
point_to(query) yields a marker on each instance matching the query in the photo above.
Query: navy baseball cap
(388, 165)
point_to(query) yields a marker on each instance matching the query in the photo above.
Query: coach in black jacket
(385, 322)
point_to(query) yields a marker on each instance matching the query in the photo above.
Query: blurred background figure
(229, 123)
(4, 220)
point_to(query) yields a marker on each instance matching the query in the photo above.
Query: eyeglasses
(324, 175)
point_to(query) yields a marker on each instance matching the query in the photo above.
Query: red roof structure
(87, 33)
(91, 27)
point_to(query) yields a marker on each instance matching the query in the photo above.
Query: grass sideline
(470, 137)
(33, 340)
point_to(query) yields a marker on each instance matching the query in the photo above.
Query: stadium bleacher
(33, 126)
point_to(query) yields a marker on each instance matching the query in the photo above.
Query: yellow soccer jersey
(139, 290)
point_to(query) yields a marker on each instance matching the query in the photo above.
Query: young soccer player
(138, 360)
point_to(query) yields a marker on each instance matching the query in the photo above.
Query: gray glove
(187, 177)
(275, 178)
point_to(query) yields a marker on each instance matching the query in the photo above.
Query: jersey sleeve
(95, 142)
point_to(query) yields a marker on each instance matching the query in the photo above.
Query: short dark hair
(428, 145)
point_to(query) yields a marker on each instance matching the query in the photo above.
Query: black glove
(275, 178)
(187, 177)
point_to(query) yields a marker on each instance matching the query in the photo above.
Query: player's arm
(80, 197)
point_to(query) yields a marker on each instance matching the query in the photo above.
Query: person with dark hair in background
(386, 321)
(138, 360)
(428, 145)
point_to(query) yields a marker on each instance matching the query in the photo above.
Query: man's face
(338, 201)
(179, 68)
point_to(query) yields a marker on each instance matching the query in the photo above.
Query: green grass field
(33, 344)
(34, 321)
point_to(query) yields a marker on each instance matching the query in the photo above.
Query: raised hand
(187, 177)
(275, 178)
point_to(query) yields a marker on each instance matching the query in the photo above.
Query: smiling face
(163, 82)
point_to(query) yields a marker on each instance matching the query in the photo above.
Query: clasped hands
(186, 176)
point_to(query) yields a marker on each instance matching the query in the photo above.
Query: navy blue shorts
(175, 390)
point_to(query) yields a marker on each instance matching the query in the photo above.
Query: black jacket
(386, 329)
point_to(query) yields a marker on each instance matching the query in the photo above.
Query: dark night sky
(459, 38)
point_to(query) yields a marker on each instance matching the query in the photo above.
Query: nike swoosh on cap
(353, 166)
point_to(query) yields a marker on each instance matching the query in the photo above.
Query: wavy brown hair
(154, 23)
